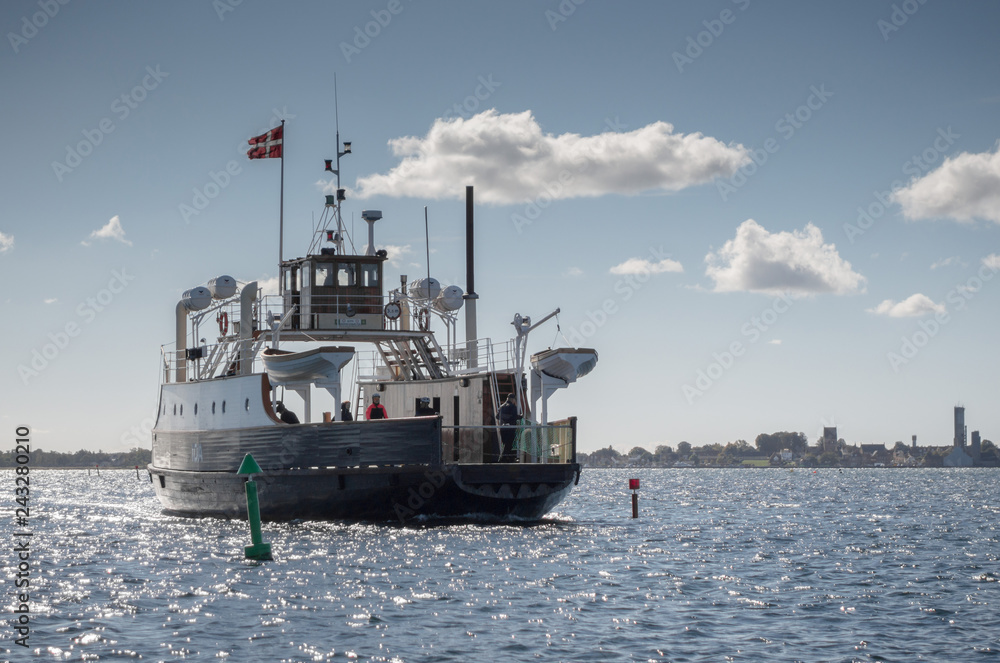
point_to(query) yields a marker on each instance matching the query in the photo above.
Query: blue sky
(764, 217)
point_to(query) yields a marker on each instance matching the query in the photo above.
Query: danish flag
(267, 145)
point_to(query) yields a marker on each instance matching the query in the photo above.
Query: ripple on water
(722, 565)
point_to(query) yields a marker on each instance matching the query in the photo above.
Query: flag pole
(281, 215)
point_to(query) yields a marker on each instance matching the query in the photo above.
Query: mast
(281, 214)
(338, 239)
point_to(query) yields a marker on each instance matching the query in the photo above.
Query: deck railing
(532, 443)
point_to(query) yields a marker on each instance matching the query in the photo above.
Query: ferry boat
(438, 454)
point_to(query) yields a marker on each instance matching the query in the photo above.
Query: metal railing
(532, 443)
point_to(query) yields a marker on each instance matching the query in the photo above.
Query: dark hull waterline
(515, 491)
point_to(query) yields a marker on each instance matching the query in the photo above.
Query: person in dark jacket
(376, 410)
(509, 416)
(345, 411)
(287, 416)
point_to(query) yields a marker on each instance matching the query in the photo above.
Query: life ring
(424, 319)
(223, 321)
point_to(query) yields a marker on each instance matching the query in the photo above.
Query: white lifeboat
(566, 364)
(318, 366)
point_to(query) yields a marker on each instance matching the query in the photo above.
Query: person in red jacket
(376, 410)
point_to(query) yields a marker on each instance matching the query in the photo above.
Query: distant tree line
(81, 458)
(769, 446)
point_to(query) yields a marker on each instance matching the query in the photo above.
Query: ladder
(414, 358)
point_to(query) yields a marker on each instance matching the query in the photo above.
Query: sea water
(721, 565)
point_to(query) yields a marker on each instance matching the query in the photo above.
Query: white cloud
(992, 261)
(396, 254)
(965, 187)
(510, 159)
(51, 300)
(111, 230)
(953, 260)
(6, 242)
(912, 307)
(643, 266)
(775, 341)
(573, 272)
(796, 262)
(268, 285)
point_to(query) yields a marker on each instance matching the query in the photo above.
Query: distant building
(829, 438)
(958, 458)
(914, 441)
(959, 440)
(975, 449)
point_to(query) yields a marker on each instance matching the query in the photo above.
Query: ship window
(369, 276)
(182, 409)
(196, 408)
(247, 405)
(346, 274)
(223, 407)
(213, 407)
(324, 275)
(175, 409)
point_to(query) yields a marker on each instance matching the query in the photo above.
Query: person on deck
(345, 411)
(287, 416)
(376, 410)
(509, 416)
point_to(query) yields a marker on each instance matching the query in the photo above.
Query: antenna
(337, 200)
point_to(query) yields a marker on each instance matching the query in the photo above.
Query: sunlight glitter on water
(722, 564)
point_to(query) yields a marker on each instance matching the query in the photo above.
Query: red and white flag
(267, 145)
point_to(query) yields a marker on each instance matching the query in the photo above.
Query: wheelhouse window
(324, 275)
(369, 275)
(347, 275)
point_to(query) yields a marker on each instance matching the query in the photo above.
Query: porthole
(213, 407)
(196, 409)
(247, 405)
(223, 407)
(175, 409)
(182, 409)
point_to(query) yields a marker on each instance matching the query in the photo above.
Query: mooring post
(98, 469)
(633, 484)
(136, 471)
(257, 548)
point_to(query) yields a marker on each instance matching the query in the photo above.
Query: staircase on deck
(413, 358)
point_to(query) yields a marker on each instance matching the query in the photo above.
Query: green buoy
(257, 548)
